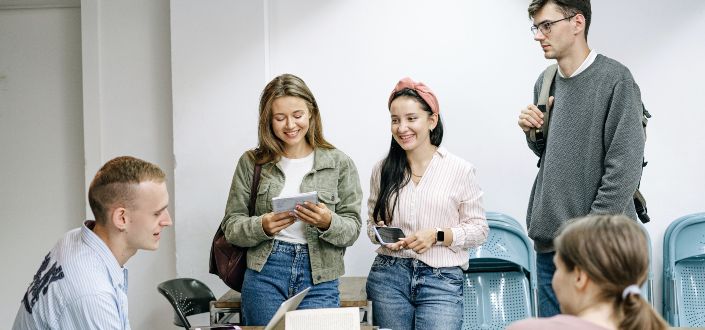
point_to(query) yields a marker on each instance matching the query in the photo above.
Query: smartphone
(387, 235)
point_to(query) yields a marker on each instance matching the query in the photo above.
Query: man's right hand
(273, 223)
(531, 117)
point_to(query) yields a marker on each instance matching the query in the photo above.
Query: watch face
(440, 235)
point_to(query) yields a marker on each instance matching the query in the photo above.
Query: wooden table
(352, 294)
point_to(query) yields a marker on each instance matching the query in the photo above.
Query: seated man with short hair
(81, 283)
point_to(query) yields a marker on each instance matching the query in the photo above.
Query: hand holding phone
(388, 235)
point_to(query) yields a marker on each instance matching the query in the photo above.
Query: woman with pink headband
(433, 197)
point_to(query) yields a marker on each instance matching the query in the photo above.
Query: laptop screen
(277, 321)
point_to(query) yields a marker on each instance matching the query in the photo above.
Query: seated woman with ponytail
(601, 261)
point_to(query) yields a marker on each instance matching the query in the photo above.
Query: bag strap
(254, 188)
(548, 76)
(540, 135)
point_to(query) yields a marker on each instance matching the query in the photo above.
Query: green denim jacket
(333, 176)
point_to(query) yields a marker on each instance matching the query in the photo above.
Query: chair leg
(213, 313)
(369, 312)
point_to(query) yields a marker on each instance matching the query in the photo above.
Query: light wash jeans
(408, 294)
(548, 303)
(286, 273)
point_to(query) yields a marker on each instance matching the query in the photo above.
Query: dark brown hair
(395, 171)
(567, 7)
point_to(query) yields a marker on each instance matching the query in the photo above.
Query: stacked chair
(500, 284)
(684, 272)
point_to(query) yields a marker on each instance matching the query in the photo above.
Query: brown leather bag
(229, 261)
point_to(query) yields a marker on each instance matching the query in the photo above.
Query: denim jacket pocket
(329, 198)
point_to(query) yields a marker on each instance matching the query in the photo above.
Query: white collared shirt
(447, 196)
(79, 285)
(588, 61)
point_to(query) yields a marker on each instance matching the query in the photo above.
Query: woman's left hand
(421, 241)
(317, 215)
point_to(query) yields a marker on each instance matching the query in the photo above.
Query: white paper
(347, 318)
(288, 203)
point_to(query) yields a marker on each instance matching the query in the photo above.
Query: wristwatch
(440, 236)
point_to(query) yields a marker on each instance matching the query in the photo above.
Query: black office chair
(188, 297)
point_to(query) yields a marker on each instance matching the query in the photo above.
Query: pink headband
(419, 87)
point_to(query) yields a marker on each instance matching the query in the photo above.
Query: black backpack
(540, 135)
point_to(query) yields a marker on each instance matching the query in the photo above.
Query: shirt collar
(322, 158)
(588, 61)
(442, 151)
(118, 275)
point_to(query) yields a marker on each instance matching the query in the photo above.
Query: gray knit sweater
(592, 163)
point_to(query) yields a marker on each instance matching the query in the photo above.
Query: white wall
(211, 121)
(127, 111)
(477, 55)
(41, 142)
(479, 58)
(116, 56)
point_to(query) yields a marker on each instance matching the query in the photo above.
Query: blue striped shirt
(79, 285)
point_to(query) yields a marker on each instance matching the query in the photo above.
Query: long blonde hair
(270, 147)
(613, 251)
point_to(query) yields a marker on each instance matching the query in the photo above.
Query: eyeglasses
(545, 27)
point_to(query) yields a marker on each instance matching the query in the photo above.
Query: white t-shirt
(294, 172)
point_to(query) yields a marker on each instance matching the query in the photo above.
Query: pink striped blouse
(448, 196)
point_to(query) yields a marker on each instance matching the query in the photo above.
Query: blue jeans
(286, 273)
(548, 303)
(408, 294)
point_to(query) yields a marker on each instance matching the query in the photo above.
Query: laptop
(277, 321)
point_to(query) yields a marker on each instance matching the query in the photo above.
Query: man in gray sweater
(594, 151)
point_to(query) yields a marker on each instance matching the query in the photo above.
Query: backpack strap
(639, 200)
(540, 135)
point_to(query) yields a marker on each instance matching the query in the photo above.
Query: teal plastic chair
(684, 272)
(647, 288)
(496, 216)
(187, 296)
(500, 283)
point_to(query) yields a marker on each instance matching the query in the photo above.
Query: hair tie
(632, 289)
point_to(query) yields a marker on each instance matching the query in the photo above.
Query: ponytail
(615, 259)
(637, 314)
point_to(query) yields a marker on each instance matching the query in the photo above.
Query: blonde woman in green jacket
(290, 251)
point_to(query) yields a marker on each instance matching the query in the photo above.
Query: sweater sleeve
(624, 149)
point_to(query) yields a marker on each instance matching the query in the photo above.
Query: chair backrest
(187, 296)
(500, 283)
(668, 302)
(506, 244)
(504, 218)
(684, 271)
(493, 300)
